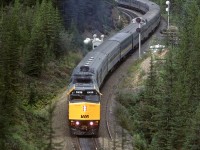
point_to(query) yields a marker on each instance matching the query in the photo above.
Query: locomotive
(84, 97)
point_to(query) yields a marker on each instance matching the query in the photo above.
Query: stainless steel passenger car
(94, 67)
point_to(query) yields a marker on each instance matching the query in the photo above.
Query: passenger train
(84, 97)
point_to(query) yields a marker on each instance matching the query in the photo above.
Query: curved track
(59, 120)
(129, 13)
(107, 133)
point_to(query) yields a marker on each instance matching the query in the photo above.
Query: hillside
(38, 52)
(87, 15)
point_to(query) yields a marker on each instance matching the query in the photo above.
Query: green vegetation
(37, 56)
(165, 114)
(88, 15)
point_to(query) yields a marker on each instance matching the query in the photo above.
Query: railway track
(91, 143)
(107, 118)
(129, 13)
(82, 143)
(107, 132)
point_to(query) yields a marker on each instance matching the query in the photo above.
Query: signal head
(138, 20)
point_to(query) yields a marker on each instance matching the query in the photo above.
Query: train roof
(97, 56)
(107, 46)
(120, 36)
(92, 60)
(129, 28)
(152, 6)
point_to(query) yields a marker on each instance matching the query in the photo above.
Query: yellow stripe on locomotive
(84, 111)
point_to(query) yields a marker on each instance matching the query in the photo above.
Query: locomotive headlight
(91, 123)
(77, 123)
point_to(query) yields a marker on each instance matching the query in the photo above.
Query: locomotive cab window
(82, 80)
(84, 95)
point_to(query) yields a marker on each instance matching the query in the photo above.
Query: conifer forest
(41, 42)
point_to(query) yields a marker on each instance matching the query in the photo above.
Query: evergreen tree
(166, 105)
(193, 138)
(143, 110)
(193, 68)
(187, 64)
(9, 67)
(58, 25)
(2, 89)
(188, 15)
(192, 77)
(44, 39)
(36, 56)
(149, 108)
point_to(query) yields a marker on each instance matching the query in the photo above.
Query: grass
(133, 76)
(125, 122)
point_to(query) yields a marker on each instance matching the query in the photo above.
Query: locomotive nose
(84, 111)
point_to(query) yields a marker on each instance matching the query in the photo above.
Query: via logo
(84, 108)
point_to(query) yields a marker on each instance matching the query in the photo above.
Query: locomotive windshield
(82, 80)
(84, 95)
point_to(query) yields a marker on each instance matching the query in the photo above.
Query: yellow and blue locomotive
(84, 103)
